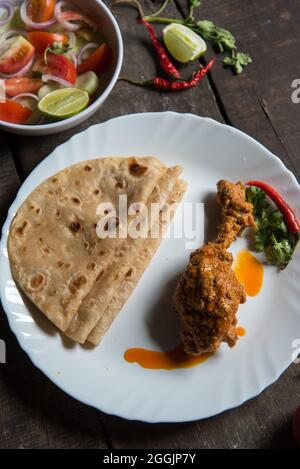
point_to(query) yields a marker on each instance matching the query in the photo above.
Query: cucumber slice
(89, 82)
(47, 89)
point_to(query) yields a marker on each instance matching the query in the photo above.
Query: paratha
(96, 302)
(55, 254)
(136, 270)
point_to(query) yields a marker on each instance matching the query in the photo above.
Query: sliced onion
(11, 33)
(30, 101)
(73, 57)
(58, 80)
(72, 39)
(10, 12)
(21, 72)
(67, 24)
(25, 95)
(32, 24)
(91, 45)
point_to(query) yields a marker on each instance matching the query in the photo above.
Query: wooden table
(36, 414)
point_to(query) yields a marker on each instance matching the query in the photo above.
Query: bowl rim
(92, 107)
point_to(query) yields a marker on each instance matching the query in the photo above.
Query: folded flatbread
(138, 267)
(96, 302)
(55, 254)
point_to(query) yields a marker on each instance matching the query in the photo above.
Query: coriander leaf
(271, 234)
(237, 61)
(277, 222)
(257, 198)
(206, 26)
(195, 3)
(222, 38)
(56, 48)
(279, 253)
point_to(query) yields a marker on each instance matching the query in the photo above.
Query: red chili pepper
(287, 212)
(164, 84)
(164, 60)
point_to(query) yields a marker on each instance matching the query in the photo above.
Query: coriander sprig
(271, 235)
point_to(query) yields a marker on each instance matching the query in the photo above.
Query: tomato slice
(97, 62)
(42, 39)
(15, 53)
(13, 112)
(15, 86)
(57, 65)
(40, 11)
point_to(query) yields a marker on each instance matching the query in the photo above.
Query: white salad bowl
(109, 28)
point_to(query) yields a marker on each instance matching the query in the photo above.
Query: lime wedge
(64, 103)
(182, 43)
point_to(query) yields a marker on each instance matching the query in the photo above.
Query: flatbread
(55, 254)
(139, 265)
(96, 302)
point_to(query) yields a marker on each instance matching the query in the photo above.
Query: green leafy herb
(222, 38)
(237, 61)
(195, 3)
(192, 6)
(56, 48)
(271, 235)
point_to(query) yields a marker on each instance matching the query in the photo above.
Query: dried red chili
(164, 60)
(164, 84)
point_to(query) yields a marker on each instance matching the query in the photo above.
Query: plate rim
(12, 210)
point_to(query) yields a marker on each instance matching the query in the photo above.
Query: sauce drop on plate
(240, 331)
(249, 272)
(169, 360)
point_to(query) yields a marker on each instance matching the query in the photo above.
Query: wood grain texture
(259, 101)
(33, 412)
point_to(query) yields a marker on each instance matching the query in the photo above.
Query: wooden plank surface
(259, 101)
(33, 412)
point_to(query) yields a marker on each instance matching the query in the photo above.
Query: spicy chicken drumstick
(208, 294)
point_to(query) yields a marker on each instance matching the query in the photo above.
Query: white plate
(100, 377)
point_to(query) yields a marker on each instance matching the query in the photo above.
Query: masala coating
(208, 294)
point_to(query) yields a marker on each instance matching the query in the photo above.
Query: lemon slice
(182, 43)
(64, 103)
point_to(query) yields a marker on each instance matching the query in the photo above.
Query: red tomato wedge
(42, 39)
(13, 112)
(41, 11)
(70, 15)
(15, 54)
(97, 62)
(57, 65)
(15, 86)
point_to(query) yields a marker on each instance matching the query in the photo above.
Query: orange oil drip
(241, 331)
(249, 272)
(169, 360)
